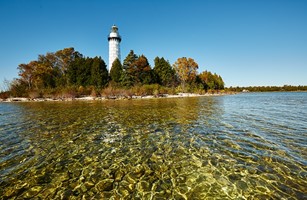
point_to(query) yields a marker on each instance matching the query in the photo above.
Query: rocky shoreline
(91, 98)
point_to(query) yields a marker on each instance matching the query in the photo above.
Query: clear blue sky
(247, 42)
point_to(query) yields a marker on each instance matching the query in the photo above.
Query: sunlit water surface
(246, 146)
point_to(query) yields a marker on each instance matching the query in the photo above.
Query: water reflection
(189, 148)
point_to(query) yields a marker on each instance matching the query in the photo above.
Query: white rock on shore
(90, 98)
(23, 99)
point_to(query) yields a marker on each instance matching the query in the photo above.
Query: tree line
(69, 70)
(285, 88)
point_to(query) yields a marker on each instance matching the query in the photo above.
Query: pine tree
(116, 71)
(129, 60)
(99, 72)
(129, 68)
(164, 72)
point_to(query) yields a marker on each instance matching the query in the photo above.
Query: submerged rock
(179, 196)
(143, 186)
(105, 185)
(241, 185)
(138, 171)
(32, 192)
(119, 174)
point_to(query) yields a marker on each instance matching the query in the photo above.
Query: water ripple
(248, 146)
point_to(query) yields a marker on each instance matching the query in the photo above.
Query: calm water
(246, 146)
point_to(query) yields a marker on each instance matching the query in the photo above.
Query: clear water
(246, 146)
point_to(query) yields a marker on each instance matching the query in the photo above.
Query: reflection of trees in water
(66, 120)
(161, 111)
(186, 110)
(66, 136)
(55, 124)
(186, 139)
(198, 110)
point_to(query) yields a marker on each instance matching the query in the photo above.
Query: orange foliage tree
(186, 70)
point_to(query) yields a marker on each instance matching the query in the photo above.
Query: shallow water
(246, 146)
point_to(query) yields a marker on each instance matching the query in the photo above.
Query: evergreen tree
(99, 72)
(129, 60)
(164, 72)
(129, 68)
(116, 71)
(84, 72)
(126, 80)
(218, 82)
(73, 71)
(68, 67)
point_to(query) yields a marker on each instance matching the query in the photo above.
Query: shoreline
(114, 98)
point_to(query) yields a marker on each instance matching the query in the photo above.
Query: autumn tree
(26, 73)
(206, 79)
(116, 71)
(186, 70)
(64, 57)
(67, 67)
(18, 88)
(35, 74)
(48, 70)
(211, 81)
(137, 70)
(142, 71)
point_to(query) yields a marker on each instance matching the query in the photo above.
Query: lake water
(245, 146)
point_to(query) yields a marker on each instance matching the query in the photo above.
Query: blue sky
(247, 42)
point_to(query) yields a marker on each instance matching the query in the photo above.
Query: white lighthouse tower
(114, 48)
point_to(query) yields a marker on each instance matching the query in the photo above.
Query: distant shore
(91, 98)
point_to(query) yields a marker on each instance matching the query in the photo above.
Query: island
(67, 74)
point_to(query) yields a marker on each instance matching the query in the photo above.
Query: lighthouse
(114, 48)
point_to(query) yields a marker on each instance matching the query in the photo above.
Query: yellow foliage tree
(186, 70)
